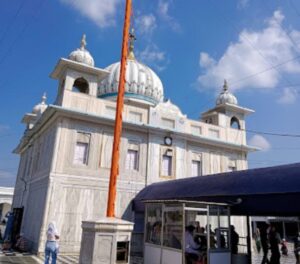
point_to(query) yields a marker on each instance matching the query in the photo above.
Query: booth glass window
(219, 227)
(172, 233)
(196, 216)
(153, 224)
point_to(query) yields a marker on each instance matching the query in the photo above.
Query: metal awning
(262, 192)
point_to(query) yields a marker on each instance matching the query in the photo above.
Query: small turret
(227, 112)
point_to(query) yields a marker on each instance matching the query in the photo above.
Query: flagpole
(114, 171)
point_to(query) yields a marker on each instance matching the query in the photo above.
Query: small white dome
(81, 54)
(40, 107)
(225, 97)
(142, 83)
(168, 106)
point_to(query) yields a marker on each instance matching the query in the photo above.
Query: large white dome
(141, 82)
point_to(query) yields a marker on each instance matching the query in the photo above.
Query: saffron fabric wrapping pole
(114, 171)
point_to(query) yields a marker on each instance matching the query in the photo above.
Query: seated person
(203, 239)
(191, 247)
(21, 244)
(197, 227)
(175, 242)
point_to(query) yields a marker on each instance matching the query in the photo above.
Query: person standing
(234, 236)
(9, 226)
(275, 240)
(264, 242)
(257, 240)
(51, 248)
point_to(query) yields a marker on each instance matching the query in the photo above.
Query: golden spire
(132, 38)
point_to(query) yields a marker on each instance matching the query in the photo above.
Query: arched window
(208, 121)
(81, 86)
(235, 123)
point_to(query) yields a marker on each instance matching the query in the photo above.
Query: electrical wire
(293, 42)
(24, 28)
(272, 133)
(12, 22)
(253, 46)
(294, 8)
(266, 70)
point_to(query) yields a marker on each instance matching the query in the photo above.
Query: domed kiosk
(226, 97)
(81, 54)
(40, 107)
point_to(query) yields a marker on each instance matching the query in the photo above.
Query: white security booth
(166, 227)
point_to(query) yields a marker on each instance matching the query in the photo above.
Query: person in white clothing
(52, 243)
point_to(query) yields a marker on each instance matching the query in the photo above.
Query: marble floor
(18, 258)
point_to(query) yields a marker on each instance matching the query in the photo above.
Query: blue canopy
(272, 191)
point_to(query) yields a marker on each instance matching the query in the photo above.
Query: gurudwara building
(65, 152)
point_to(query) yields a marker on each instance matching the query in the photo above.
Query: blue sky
(192, 45)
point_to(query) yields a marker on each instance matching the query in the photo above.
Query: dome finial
(44, 98)
(83, 42)
(132, 38)
(225, 86)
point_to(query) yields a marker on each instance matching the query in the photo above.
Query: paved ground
(290, 259)
(18, 258)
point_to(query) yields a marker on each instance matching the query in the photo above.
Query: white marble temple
(65, 152)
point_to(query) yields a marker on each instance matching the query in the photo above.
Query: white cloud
(101, 12)
(146, 23)
(260, 142)
(289, 96)
(254, 52)
(163, 12)
(206, 61)
(153, 56)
